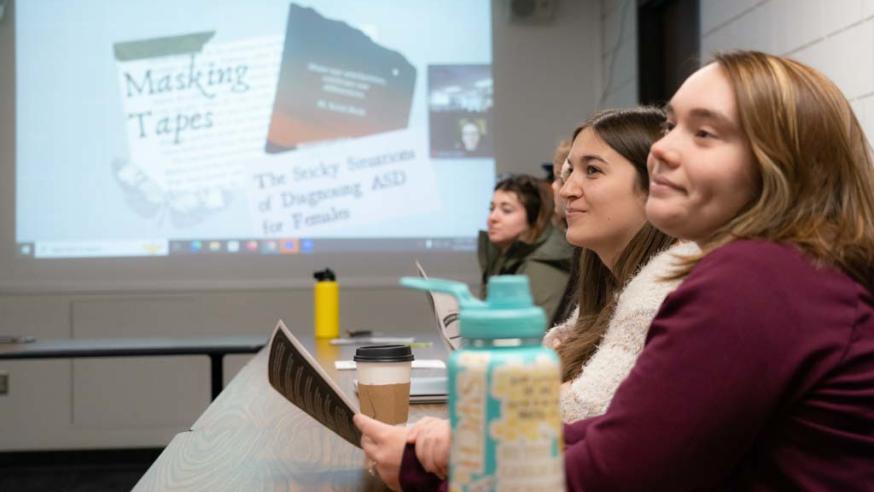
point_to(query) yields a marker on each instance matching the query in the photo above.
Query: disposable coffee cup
(383, 373)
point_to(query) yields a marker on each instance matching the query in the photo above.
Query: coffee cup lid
(383, 353)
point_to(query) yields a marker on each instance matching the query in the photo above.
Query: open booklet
(445, 308)
(296, 375)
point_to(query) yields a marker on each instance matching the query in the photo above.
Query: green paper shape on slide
(168, 46)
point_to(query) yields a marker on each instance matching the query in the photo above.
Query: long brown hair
(535, 195)
(816, 187)
(630, 132)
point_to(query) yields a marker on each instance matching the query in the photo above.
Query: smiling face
(604, 201)
(702, 170)
(507, 218)
(470, 136)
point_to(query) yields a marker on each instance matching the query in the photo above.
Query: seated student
(568, 298)
(623, 262)
(758, 371)
(558, 159)
(605, 187)
(520, 240)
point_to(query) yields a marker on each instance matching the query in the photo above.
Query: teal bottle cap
(508, 311)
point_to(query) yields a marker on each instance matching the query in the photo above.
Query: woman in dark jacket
(521, 240)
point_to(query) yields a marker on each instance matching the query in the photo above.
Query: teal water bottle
(503, 391)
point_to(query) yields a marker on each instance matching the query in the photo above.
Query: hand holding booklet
(296, 375)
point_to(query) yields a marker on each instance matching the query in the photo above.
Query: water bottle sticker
(527, 433)
(482, 484)
(529, 401)
(528, 466)
(468, 439)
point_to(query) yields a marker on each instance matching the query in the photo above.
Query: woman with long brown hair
(623, 264)
(604, 190)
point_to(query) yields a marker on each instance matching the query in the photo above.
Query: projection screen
(203, 144)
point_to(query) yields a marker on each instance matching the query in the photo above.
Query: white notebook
(445, 309)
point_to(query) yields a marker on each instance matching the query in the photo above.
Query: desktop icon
(288, 246)
(306, 245)
(233, 246)
(25, 250)
(252, 246)
(153, 249)
(215, 246)
(269, 247)
(196, 246)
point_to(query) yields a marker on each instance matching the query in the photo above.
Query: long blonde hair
(814, 162)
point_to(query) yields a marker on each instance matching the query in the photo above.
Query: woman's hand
(432, 436)
(384, 446)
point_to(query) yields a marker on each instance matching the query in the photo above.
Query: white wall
(834, 36)
(548, 78)
(618, 54)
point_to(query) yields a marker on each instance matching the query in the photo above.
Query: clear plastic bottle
(503, 391)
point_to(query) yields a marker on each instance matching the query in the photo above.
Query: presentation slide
(236, 127)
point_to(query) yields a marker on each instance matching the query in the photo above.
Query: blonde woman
(758, 371)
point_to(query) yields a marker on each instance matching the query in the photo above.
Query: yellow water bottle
(326, 304)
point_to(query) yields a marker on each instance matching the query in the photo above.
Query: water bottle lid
(508, 312)
(325, 275)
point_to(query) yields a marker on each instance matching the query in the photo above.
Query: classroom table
(251, 438)
(216, 347)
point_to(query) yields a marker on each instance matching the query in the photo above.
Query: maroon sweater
(757, 375)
